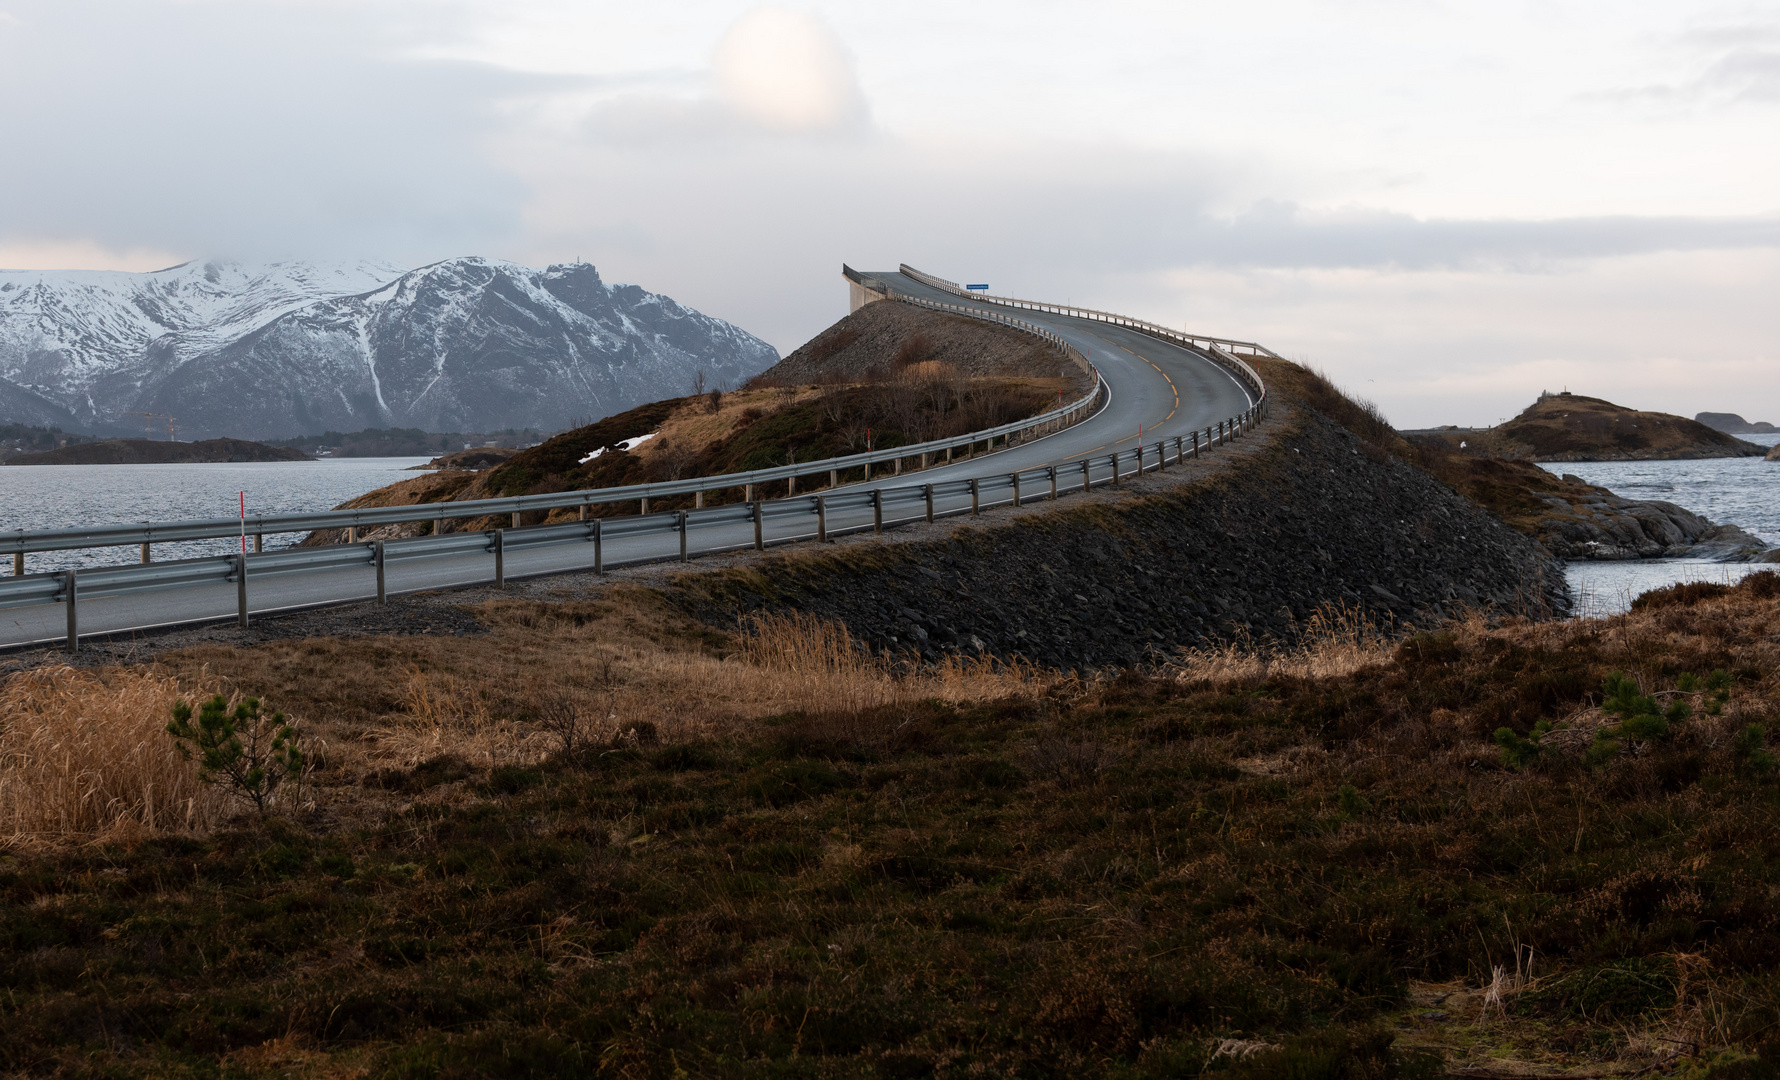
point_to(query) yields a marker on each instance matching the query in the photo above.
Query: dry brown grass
(802, 663)
(85, 756)
(1336, 641)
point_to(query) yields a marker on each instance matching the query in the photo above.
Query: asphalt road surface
(1163, 389)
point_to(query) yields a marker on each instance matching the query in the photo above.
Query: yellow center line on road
(1173, 389)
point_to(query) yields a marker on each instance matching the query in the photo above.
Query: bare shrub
(1071, 763)
(915, 349)
(84, 756)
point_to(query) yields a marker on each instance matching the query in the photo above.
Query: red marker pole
(244, 523)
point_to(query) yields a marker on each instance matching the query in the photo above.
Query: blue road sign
(979, 288)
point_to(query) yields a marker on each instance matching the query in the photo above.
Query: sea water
(71, 496)
(1729, 491)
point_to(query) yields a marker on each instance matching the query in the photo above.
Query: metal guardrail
(1047, 482)
(1216, 347)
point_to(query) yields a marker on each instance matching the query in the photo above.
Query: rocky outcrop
(1313, 517)
(1601, 525)
(1774, 454)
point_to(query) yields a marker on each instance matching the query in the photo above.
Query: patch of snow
(627, 444)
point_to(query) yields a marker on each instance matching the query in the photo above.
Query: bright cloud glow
(785, 71)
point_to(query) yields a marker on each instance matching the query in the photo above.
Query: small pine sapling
(1640, 717)
(1751, 744)
(1718, 689)
(1519, 752)
(1352, 803)
(245, 752)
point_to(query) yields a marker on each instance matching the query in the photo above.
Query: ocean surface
(1729, 491)
(62, 496)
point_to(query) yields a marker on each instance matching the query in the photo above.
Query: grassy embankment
(769, 855)
(754, 428)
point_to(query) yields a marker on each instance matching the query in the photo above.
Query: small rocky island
(1732, 424)
(1571, 427)
(151, 452)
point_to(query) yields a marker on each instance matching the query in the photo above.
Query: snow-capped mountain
(290, 348)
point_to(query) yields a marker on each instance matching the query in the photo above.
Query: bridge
(1159, 396)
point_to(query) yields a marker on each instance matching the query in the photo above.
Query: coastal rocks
(1774, 454)
(1601, 525)
(1310, 521)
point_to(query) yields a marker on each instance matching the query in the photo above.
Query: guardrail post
(698, 500)
(927, 494)
(1052, 469)
(439, 525)
(516, 519)
(1016, 479)
(680, 524)
(18, 564)
(645, 501)
(145, 558)
(500, 558)
(259, 543)
(1195, 444)
(241, 587)
(973, 495)
(352, 534)
(747, 492)
(1087, 477)
(759, 533)
(1115, 465)
(69, 587)
(382, 590)
(834, 478)
(822, 517)
(877, 510)
(599, 560)
(582, 516)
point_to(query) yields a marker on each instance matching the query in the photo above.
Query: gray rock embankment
(1315, 517)
(1603, 526)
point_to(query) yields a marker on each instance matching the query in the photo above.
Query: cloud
(236, 129)
(80, 254)
(786, 72)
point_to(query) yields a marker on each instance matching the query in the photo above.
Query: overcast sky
(1448, 206)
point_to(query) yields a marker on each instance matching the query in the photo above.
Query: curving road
(1166, 388)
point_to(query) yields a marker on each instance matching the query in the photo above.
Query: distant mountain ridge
(1732, 424)
(297, 348)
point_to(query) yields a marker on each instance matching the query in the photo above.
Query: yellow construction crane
(148, 425)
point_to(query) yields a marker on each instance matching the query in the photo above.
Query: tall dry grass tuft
(1335, 641)
(85, 757)
(816, 666)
